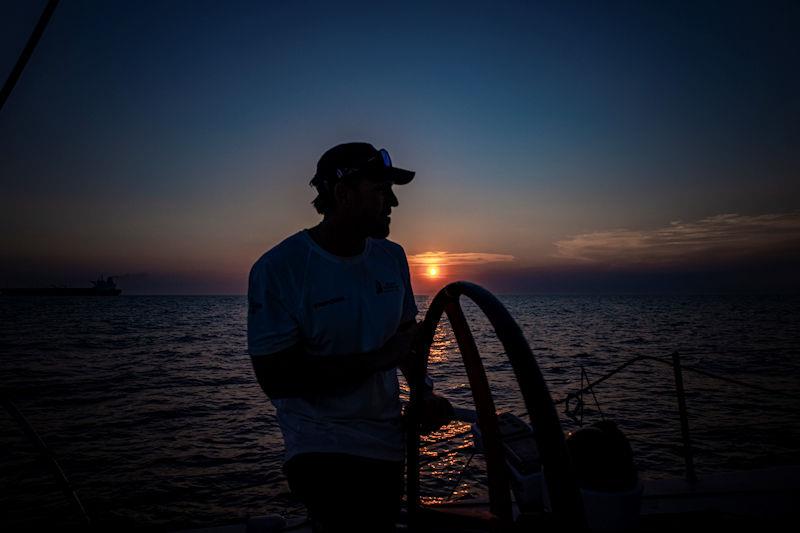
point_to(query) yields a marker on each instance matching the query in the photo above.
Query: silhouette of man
(331, 318)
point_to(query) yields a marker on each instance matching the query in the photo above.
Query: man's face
(372, 203)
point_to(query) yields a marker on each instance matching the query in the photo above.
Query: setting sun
(432, 272)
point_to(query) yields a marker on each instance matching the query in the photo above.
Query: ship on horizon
(100, 287)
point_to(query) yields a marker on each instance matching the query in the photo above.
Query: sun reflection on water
(443, 345)
(445, 456)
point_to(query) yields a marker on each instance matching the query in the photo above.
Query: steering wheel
(565, 498)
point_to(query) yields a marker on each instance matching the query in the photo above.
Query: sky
(559, 146)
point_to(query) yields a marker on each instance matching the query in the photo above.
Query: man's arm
(293, 372)
(406, 364)
(436, 410)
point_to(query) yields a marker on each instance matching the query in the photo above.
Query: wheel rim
(565, 498)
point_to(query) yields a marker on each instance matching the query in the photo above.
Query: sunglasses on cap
(379, 161)
(374, 165)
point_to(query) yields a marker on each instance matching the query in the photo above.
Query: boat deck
(757, 498)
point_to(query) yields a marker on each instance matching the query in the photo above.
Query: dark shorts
(347, 493)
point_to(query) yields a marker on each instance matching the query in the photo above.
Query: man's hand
(397, 350)
(437, 411)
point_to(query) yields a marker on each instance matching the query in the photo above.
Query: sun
(433, 272)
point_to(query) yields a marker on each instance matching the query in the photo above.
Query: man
(331, 318)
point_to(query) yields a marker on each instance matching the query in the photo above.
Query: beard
(379, 229)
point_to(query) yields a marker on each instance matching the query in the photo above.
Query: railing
(678, 368)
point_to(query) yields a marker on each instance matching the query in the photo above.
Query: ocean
(151, 407)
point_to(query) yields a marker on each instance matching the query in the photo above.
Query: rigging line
(706, 432)
(596, 402)
(723, 349)
(460, 477)
(684, 367)
(741, 383)
(584, 379)
(33, 40)
(46, 453)
(600, 380)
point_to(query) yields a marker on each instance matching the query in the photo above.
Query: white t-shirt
(301, 294)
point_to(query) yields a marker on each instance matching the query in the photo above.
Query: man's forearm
(296, 373)
(427, 383)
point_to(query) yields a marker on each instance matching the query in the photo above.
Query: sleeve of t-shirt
(409, 305)
(270, 326)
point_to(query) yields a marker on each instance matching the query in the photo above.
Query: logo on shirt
(386, 286)
(323, 303)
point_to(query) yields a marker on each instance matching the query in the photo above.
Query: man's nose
(393, 199)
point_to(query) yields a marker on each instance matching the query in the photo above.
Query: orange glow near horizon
(431, 270)
(442, 259)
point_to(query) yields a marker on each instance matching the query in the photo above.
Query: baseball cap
(358, 158)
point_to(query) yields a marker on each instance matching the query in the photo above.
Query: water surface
(152, 409)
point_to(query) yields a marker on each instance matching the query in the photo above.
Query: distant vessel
(100, 287)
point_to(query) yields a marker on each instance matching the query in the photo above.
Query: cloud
(447, 259)
(718, 237)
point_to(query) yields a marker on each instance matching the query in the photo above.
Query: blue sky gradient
(177, 139)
